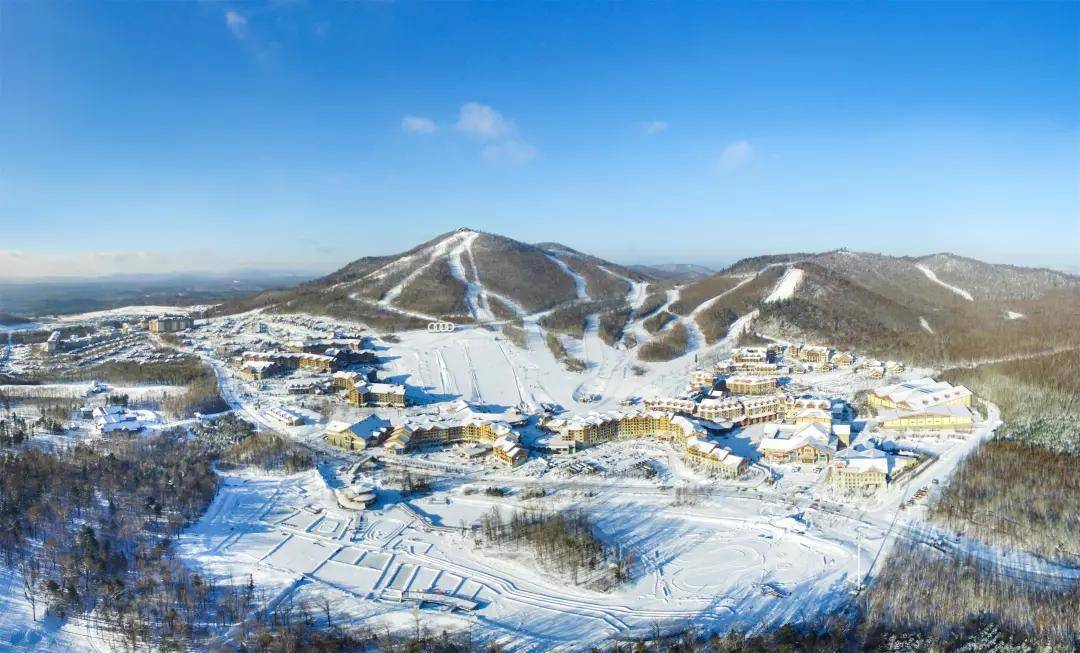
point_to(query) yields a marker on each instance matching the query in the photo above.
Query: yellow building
(357, 436)
(715, 458)
(751, 385)
(935, 418)
(600, 427)
(854, 474)
(671, 405)
(717, 409)
(843, 359)
(814, 353)
(170, 324)
(363, 394)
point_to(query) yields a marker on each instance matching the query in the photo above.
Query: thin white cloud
(735, 156)
(653, 127)
(418, 125)
(502, 144)
(236, 23)
(483, 122)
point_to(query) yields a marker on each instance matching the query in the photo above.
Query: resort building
(289, 361)
(359, 392)
(356, 436)
(814, 353)
(918, 394)
(170, 323)
(811, 416)
(809, 444)
(52, 345)
(751, 385)
(859, 471)
(671, 405)
(255, 370)
(598, 427)
(843, 359)
(111, 419)
(508, 450)
(750, 355)
(942, 417)
(505, 444)
(720, 409)
(284, 416)
(715, 458)
(759, 369)
(702, 379)
(762, 409)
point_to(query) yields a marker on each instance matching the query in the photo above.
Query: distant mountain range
(674, 271)
(934, 307)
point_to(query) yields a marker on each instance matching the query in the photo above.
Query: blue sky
(162, 136)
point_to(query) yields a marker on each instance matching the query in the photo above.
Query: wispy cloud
(237, 24)
(483, 122)
(418, 125)
(652, 127)
(502, 143)
(735, 156)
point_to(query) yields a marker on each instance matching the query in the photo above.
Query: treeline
(559, 351)
(270, 451)
(1039, 397)
(236, 443)
(89, 529)
(570, 319)
(564, 542)
(668, 345)
(201, 393)
(1014, 494)
(921, 590)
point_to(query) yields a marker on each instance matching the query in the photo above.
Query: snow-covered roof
(367, 428)
(921, 393)
(862, 460)
(783, 438)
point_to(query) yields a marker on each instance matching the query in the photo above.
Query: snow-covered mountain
(938, 305)
(465, 276)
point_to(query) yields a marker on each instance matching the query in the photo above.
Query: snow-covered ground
(702, 564)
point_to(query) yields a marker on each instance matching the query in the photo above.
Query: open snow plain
(703, 564)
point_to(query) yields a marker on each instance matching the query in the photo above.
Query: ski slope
(933, 277)
(787, 285)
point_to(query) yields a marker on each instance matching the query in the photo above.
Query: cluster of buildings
(257, 365)
(455, 423)
(113, 419)
(718, 407)
(596, 427)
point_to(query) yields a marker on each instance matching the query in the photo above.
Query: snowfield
(701, 565)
